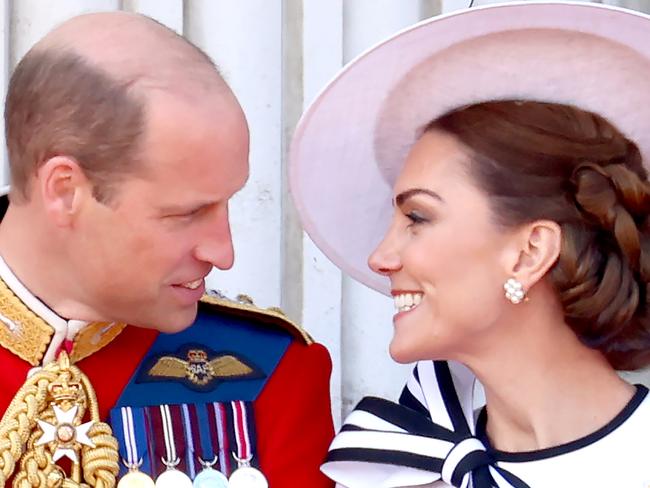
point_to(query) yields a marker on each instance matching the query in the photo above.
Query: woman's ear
(539, 248)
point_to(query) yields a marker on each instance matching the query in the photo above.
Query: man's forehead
(206, 109)
(187, 133)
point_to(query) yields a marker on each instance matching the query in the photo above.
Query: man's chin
(170, 322)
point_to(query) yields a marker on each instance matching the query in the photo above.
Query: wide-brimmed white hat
(351, 143)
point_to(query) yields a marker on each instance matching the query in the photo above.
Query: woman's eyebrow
(405, 195)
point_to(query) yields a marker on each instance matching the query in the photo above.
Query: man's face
(144, 257)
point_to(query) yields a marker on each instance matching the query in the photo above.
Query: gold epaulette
(243, 306)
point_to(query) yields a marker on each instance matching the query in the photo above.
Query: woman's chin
(405, 350)
(403, 353)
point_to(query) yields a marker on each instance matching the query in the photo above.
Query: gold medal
(135, 478)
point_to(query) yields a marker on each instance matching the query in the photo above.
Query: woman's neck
(545, 388)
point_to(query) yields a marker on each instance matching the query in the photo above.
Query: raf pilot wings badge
(198, 367)
(228, 353)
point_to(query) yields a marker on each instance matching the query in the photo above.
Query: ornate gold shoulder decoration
(28, 336)
(243, 305)
(55, 415)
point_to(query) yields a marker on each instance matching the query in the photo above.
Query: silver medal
(210, 477)
(172, 477)
(246, 476)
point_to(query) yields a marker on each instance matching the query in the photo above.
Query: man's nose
(216, 246)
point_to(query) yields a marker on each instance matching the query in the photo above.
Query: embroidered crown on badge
(198, 367)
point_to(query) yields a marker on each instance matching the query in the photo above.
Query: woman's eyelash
(415, 218)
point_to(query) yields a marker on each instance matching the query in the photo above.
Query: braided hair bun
(540, 160)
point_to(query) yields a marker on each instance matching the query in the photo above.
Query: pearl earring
(514, 290)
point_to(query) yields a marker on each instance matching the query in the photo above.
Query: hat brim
(350, 144)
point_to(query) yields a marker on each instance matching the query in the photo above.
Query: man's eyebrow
(186, 207)
(405, 195)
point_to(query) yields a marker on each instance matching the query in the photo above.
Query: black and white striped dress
(433, 439)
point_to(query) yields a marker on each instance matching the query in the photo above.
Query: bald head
(135, 49)
(82, 91)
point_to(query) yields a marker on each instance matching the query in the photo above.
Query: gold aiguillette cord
(44, 423)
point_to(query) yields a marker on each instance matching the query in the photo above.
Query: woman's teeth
(407, 301)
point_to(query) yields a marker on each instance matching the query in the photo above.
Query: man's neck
(33, 327)
(32, 263)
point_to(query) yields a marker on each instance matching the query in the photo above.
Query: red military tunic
(292, 412)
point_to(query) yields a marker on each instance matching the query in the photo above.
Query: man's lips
(191, 285)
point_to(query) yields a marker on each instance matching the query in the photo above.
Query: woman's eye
(415, 218)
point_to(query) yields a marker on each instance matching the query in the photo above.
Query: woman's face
(444, 255)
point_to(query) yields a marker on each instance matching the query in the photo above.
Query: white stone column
(32, 19)
(168, 12)
(367, 315)
(5, 59)
(244, 38)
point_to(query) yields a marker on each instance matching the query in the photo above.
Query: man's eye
(187, 215)
(193, 212)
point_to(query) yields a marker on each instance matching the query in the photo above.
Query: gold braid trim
(101, 463)
(19, 420)
(62, 384)
(28, 336)
(273, 315)
(22, 331)
(37, 467)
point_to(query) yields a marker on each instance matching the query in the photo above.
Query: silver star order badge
(65, 434)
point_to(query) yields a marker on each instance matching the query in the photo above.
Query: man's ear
(539, 244)
(63, 188)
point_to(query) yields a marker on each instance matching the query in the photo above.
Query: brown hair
(58, 104)
(549, 161)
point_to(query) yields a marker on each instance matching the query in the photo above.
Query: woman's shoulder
(615, 455)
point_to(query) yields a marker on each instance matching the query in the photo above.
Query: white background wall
(276, 55)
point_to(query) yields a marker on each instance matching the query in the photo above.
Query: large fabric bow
(429, 436)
